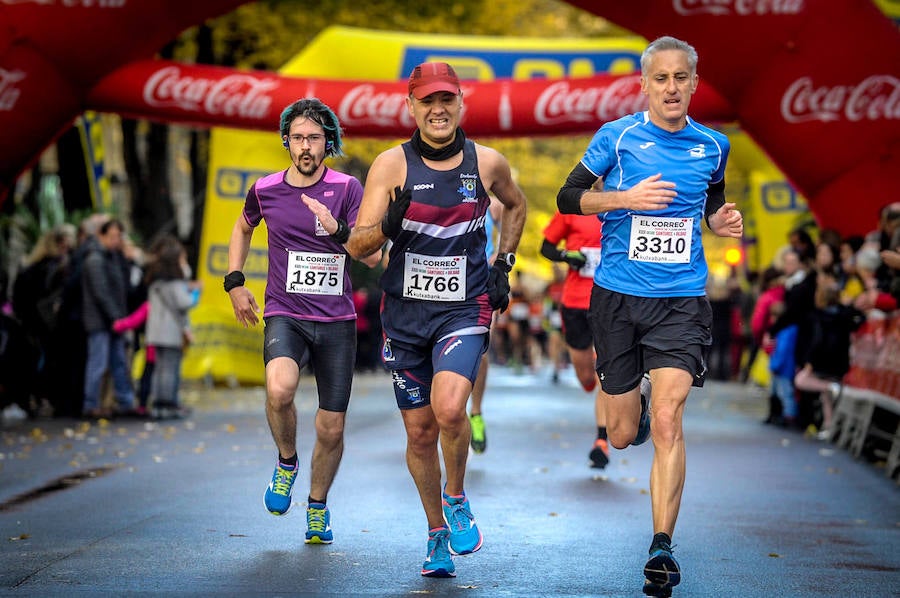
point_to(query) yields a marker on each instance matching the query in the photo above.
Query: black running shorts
(633, 335)
(576, 328)
(328, 347)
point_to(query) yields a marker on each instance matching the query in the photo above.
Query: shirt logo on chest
(646, 145)
(468, 188)
(698, 151)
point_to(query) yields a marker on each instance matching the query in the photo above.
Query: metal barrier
(872, 384)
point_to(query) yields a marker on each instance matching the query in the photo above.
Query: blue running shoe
(318, 524)
(438, 562)
(643, 432)
(465, 537)
(661, 571)
(278, 494)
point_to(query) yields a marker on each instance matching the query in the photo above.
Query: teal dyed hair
(315, 110)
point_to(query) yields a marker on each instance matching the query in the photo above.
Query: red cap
(429, 77)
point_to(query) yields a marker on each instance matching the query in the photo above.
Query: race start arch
(827, 113)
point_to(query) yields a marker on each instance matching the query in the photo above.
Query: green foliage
(265, 34)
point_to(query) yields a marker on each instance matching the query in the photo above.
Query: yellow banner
(350, 53)
(90, 128)
(890, 8)
(770, 205)
(223, 349)
(776, 210)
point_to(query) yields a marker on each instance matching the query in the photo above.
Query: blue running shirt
(309, 272)
(659, 253)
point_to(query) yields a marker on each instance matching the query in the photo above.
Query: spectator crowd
(79, 306)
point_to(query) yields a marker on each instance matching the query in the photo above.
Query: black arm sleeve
(549, 251)
(715, 198)
(568, 200)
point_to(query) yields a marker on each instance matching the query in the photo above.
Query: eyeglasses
(313, 139)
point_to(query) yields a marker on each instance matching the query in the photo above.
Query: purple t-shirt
(308, 275)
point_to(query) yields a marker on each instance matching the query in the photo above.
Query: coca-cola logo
(365, 105)
(737, 7)
(72, 3)
(240, 95)
(561, 102)
(876, 97)
(9, 93)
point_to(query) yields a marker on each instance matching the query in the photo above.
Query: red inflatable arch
(815, 82)
(826, 112)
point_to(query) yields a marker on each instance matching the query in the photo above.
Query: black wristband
(342, 233)
(233, 280)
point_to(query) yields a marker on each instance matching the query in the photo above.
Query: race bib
(315, 273)
(592, 254)
(661, 240)
(431, 278)
(556, 319)
(519, 311)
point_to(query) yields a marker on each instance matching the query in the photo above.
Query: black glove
(498, 288)
(392, 223)
(575, 259)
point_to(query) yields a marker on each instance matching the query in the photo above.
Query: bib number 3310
(661, 240)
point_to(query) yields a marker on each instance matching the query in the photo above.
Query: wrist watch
(506, 260)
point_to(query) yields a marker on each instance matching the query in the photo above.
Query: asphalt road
(175, 508)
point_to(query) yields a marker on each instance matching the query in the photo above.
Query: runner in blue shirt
(662, 173)
(309, 314)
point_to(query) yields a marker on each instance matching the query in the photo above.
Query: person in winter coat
(827, 355)
(104, 294)
(171, 295)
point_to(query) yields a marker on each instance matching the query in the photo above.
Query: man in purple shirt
(309, 315)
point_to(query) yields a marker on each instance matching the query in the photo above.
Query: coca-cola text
(560, 102)
(72, 3)
(738, 7)
(363, 105)
(9, 93)
(240, 95)
(874, 98)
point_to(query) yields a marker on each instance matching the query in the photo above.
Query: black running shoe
(661, 571)
(599, 454)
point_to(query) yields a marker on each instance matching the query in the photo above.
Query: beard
(307, 167)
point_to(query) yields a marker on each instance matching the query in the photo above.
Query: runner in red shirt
(581, 251)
